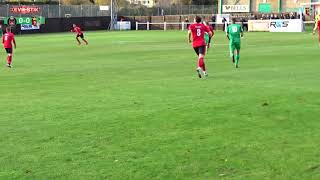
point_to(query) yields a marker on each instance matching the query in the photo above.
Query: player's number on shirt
(198, 32)
(234, 29)
(6, 38)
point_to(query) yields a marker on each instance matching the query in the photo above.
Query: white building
(148, 3)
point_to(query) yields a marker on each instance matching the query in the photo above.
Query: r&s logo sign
(279, 24)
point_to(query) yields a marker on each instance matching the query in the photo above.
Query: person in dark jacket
(244, 24)
(213, 20)
(224, 22)
(186, 21)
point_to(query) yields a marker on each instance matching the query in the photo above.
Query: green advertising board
(24, 20)
(265, 8)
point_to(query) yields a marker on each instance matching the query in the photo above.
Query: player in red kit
(77, 29)
(314, 30)
(7, 41)
(197, 31)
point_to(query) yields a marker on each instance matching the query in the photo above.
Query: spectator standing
(292, 15)
(287, 16)
(282, 16)
(213, 20)
(224, 22)
(186, 21)
(244, 24)
(253, 17)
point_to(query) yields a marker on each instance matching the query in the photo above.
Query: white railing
(182, 25)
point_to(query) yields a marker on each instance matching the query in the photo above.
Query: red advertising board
(25, 9)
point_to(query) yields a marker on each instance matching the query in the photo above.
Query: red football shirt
(198, 30)
(77, 30)
(319, 26)
(7, 40)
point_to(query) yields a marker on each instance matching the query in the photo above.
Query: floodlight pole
(59, 8)
(111, 13)
(114, 14)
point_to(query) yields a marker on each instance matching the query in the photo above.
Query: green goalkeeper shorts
(234, 46)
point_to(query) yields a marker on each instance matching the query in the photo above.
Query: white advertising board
(235, 8)
(258, 25)
(276, 25)
(26, 27)
(286, 25)
(123, 25)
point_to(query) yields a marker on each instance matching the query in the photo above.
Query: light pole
(59, 8)
(114, 14)
(111, 8)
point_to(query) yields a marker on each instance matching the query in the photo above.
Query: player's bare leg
(78, 41)
(199, 72)
(201, 66)
(85, 41)
(204, 68)
(199, 69)
(9, 60)
(237, 58)
(232, 56)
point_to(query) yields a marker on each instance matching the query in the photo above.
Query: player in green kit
(1, 32)
(234, 34)
(207, 37)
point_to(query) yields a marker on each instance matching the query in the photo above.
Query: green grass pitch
(130, 106)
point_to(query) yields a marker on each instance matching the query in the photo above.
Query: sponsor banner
(286, 25)
(26, 27)
(276, 25)
(235, 8)
(25, 9)
(258, 25)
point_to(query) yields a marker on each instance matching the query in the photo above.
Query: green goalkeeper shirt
(234, 32)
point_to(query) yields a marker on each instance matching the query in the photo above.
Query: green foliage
(204, 2)
(75, 2)
(194, 2)
(102, 2)
(181, 2)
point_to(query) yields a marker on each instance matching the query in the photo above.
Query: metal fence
(53, 11)
(168, 10)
